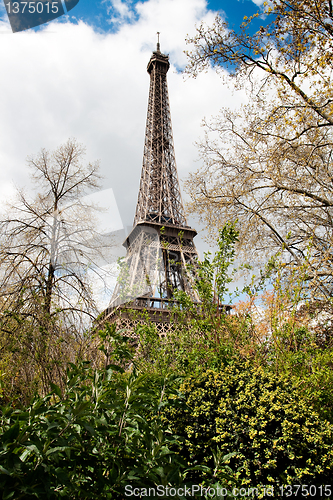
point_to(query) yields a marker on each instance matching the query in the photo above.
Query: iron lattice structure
(160, 248)
(159, 196)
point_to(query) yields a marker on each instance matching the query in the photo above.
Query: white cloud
(68, 81)
(121, 11)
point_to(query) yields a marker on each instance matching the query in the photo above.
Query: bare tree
(49, 249)
(269, 165)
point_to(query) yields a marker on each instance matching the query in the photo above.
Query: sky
(84, 76)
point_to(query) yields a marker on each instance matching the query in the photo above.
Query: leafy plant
(274, 435)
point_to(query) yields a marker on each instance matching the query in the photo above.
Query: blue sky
(106, 15)
(100, 13)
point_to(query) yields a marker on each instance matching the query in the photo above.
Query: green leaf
(24, 455)
(4, 471)
(11, 434)
(8, 496)
(56, 450)
(56, 389)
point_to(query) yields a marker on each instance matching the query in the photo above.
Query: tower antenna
(158, 42)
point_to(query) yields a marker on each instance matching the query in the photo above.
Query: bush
(277, 437)
(89, 442)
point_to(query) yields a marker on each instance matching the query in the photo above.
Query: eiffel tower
(160, 248)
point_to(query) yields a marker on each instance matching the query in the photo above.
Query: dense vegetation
(223, 402)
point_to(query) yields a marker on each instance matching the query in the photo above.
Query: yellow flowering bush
(274, 434)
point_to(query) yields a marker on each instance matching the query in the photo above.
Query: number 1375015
(32, 7)
(306, 490)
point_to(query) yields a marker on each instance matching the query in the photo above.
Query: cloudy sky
(84, 76)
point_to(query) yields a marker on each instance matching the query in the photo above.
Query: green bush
(188, 349)
(277, 437)
(89, 442)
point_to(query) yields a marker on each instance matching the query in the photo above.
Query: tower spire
(158, 42)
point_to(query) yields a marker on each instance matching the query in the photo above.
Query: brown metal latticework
(160, 248)
(159, 196)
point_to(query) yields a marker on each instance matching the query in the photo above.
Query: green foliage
(276, 436)
(115, 346)
(187, 350)
(295, 353)
(32, 359)
(203, 405)
(296, 333)
(91, 441)
(213, 275)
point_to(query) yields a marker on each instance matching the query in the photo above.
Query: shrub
(89, 442)
(277, 437)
